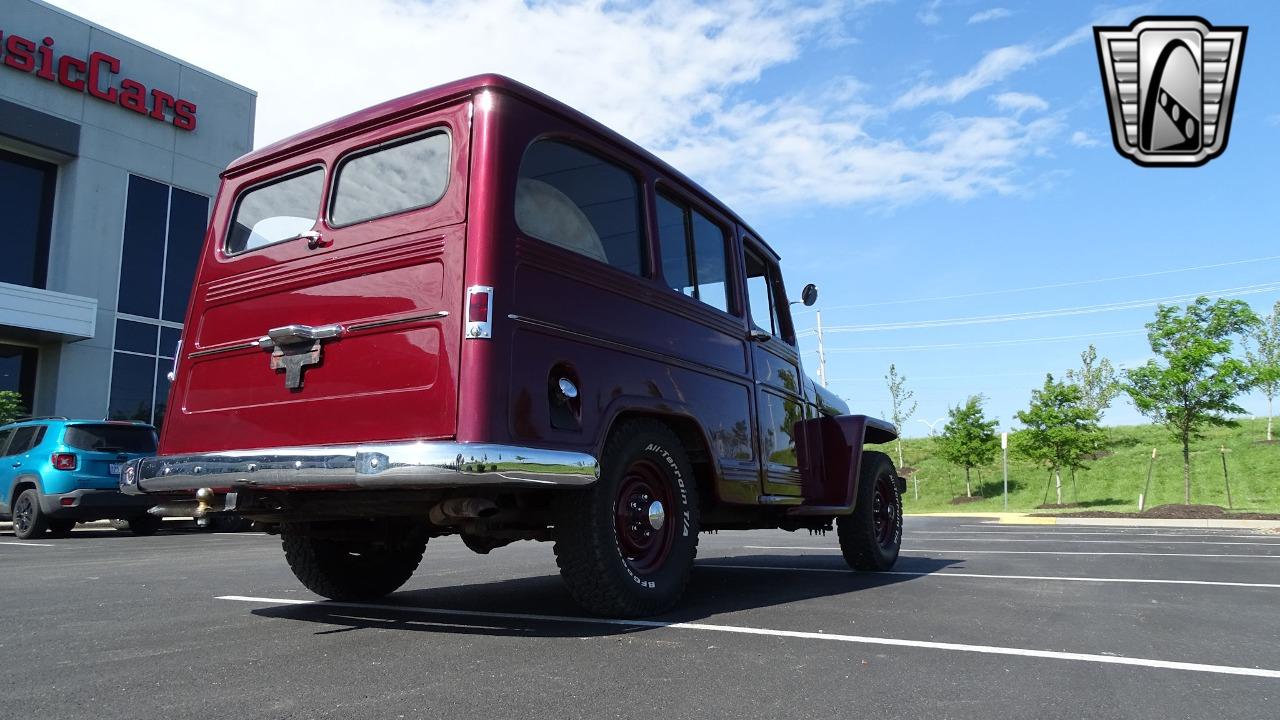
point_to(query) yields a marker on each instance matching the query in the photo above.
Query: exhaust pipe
(452, 510)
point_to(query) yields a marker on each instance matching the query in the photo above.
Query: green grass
(1113, 482)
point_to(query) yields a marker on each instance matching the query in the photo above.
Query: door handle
(17, 464)
(758, 335)
(292, 334)
(313, 238)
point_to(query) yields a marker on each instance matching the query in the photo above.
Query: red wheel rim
(642, 517)
(885, 512)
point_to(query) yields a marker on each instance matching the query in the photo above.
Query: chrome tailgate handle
(294, 334)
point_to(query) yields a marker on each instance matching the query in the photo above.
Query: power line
(989, 343)
(1051, 286)
(1042, 314)
(922, 378)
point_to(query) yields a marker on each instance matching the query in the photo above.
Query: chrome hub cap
(657, 515)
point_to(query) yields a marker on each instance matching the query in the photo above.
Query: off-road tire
(61, 528)
(865, 543)
(591, 534)
(144, 525)
(351, 570)
(29, 521)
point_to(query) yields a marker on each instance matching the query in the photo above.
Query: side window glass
(758, 293)
(279, 211)
(4, 441)
(22, 440)
(693, 253)
(674, 244)
(711, 270)
(392, 178)
(578, 201)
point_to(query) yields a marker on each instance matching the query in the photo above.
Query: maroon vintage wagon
(475, 311)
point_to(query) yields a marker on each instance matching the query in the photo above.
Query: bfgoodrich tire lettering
(871, 537)
(620, 554)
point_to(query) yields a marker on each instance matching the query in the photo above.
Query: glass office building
(109, 159)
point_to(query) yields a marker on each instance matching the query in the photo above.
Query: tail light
(64, 461)
(479, 311)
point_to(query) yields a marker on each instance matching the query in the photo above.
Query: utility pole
(822, 356)
(1004, 451)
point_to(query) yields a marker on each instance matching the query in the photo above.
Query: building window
(26, 217)
(140, 366)
(578, 201)
(163, 235)
(18, 372)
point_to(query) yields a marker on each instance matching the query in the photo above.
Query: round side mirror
(809, 295)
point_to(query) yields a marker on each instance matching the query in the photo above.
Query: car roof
(27, 422)
(362, 119)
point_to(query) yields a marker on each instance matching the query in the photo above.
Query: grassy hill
(1113, 482)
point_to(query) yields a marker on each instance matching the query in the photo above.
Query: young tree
(1265, 362)
(1196, 380)
(1061, 429)
(11, 407)
(1097, 379)
(969, 438)
(900, 396)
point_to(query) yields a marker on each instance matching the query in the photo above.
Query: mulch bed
(1172, 512)
(962, 500)
(1056, 506)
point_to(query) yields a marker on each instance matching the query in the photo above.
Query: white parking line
(930, 551)
(1120, 542)
(829, 637)
(1055, 533)
(904, 573)
(26, 544)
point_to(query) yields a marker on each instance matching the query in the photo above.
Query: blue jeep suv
(55, 472)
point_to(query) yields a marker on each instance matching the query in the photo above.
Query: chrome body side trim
(396, 321)
(406, 465)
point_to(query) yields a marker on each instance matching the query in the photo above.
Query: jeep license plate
(114, 468)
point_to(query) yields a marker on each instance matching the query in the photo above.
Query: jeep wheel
(145, 524)
(625, 546)
(871, 537)
(28, 520)
(352, 569)
(61, 528)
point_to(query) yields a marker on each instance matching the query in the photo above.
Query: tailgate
(328, 306)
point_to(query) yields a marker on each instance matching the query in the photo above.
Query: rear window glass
(574, 199)
(391, 178)
(276, 212)
(110, 438)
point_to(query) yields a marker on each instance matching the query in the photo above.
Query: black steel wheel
(626, 544)
(29, 520)
(871, 537)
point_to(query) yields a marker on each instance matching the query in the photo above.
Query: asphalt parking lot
(978, 620)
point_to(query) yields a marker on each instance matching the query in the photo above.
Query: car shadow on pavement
(718, 586)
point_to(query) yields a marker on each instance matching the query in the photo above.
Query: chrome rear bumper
(363, 467)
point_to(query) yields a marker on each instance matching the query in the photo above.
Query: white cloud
(929, 13)
(1081, 138)
(989, 15)
(1020, 102)
(1000, 63)
(673, 75)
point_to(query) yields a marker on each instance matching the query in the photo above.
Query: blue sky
(892, 151)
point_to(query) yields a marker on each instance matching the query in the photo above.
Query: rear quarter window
(275, 212)
(110, 438)
(391, 178)
(579, 201)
